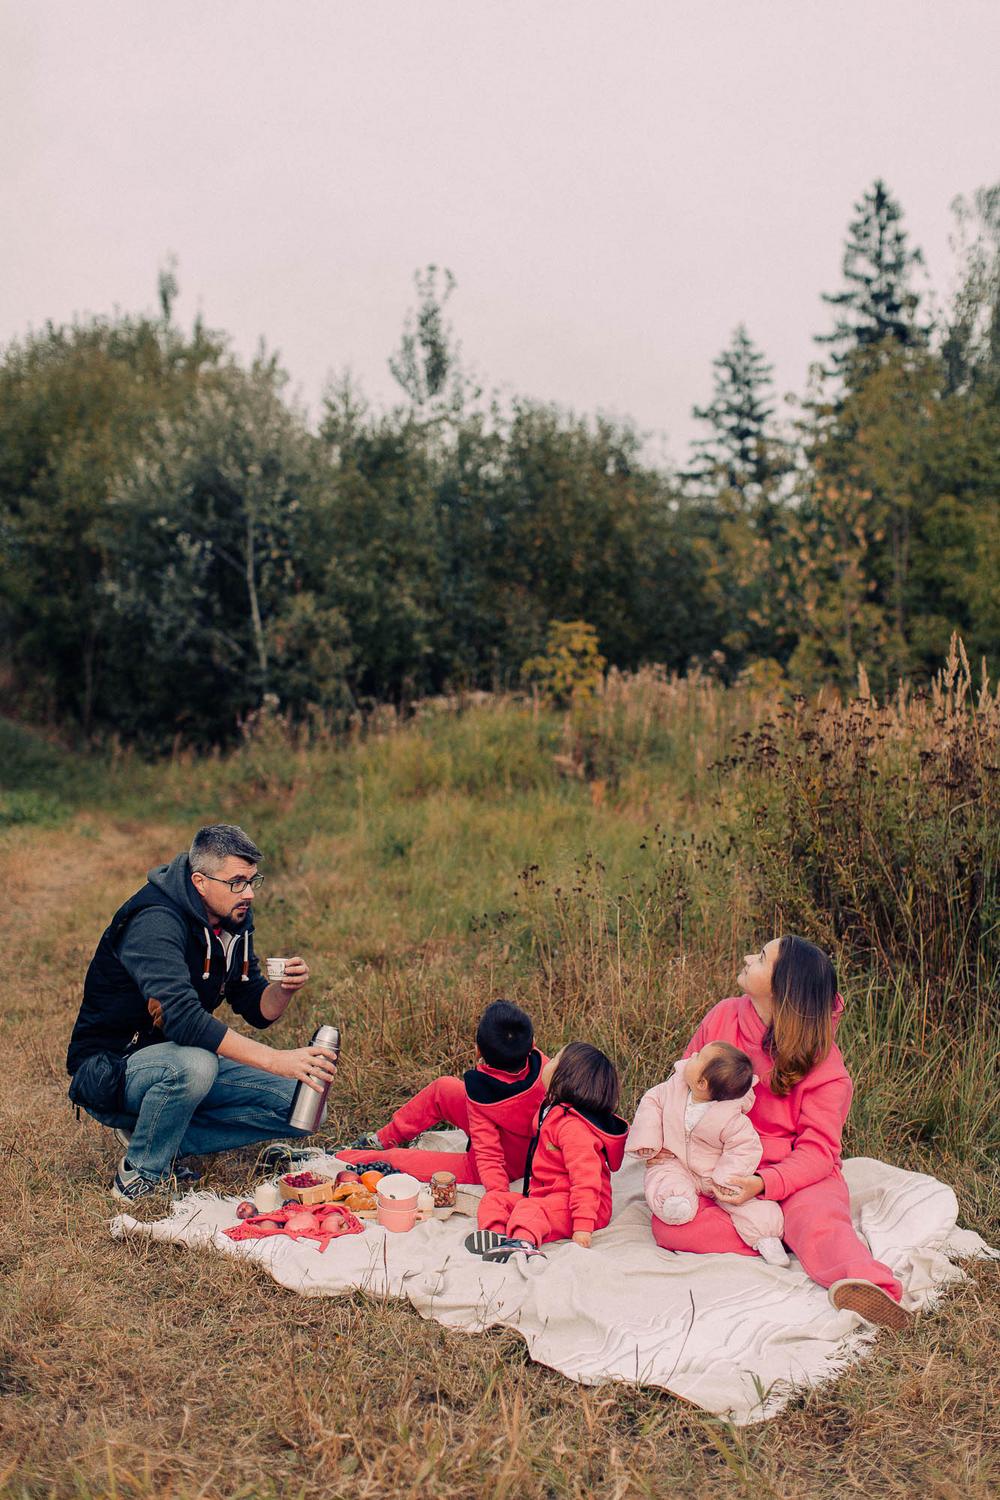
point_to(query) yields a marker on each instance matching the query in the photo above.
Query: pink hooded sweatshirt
(723, 1143)
(800, 1134)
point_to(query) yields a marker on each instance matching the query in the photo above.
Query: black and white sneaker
(184, 1176)
(367, 1142)
(482, 1240)
(499, 1248)
(130, 1186)
(281, 1158)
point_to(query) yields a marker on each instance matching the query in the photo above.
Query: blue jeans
(190, 1102)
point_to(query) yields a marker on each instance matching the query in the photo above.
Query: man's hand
(295, 976)
(314, 1066)
(582, 1238)
(275, 999)
(739, 1190)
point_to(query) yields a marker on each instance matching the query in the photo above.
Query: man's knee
(194, 1071)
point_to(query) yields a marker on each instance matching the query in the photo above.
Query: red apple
(351, 1177)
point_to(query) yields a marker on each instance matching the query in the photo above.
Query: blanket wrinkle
(736, 1336)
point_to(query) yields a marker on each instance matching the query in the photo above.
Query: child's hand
(643, 1151)
(582, 1238)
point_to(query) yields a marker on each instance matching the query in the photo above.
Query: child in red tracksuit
(495, 1104)
(567, 1182)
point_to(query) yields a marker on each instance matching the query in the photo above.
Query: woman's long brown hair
(803, 988)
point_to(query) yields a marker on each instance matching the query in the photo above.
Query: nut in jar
(443, 1189)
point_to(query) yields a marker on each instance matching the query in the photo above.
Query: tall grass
(607, 868)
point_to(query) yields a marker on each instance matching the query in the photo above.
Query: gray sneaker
(367, 1142)
(123, 1137)
(130, 1186)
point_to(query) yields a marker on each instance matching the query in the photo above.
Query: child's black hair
(585, 1078)
(505, 1036)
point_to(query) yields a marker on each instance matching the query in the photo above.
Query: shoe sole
(483, 1240)
(871, 1303)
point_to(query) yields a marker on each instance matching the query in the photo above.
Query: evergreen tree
(739, 453)
(877, 304)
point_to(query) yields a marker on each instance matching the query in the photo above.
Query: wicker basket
(322, 1192)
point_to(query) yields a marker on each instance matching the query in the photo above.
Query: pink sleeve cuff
(774, 1187)
(583, 1226)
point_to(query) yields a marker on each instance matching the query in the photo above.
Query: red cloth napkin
(322, 1222)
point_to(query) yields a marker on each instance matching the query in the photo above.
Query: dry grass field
(144, 1370)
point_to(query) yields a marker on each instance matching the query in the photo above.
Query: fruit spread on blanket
(321, 1222)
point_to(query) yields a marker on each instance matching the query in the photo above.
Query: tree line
(177, 541)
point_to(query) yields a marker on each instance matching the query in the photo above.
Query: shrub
(877, 827)
(571, 667)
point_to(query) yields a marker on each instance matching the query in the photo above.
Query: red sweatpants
(818, 1230)
(539, 1220)
(445, 1101)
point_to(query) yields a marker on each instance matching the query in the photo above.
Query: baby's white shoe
(771, 1249)
(675, 1211)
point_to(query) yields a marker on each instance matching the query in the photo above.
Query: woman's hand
(582, 1238)
(738, 1190)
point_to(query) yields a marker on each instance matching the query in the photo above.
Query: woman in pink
(785, 1020)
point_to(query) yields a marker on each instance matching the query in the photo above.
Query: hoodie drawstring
(245, 975)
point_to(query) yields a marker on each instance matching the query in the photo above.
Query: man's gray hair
(213, 845)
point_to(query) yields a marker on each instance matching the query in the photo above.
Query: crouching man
(147, 1054)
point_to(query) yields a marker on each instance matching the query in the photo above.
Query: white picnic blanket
(727, 1332)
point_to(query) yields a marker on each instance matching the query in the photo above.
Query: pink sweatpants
(818, 1230)
(754, 1220)
(539, 1220)
(443, 1101)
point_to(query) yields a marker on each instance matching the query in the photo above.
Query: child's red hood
(610, 1129)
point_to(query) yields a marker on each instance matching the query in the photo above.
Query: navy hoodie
(160, 946)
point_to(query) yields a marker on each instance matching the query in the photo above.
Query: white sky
(615, 185)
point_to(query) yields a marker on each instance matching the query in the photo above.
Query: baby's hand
(643, 1151)
(582, 1238)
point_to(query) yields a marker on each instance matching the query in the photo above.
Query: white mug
(276, 969)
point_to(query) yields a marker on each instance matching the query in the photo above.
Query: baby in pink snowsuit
(693, 1133)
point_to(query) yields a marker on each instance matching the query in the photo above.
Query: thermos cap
(326, 1036)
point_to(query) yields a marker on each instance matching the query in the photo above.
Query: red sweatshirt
(502, 1110)
(800, 1134)
(576, 1153)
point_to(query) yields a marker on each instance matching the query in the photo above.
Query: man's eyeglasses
(238, 884)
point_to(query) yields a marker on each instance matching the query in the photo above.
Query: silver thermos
(309, 1107)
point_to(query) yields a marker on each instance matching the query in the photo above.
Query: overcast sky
(615, 185)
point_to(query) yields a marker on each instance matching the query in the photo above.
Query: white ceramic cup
(276, 969)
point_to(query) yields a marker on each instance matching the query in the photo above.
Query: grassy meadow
(607, 867)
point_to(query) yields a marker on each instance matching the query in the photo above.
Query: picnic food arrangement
(311, 1205)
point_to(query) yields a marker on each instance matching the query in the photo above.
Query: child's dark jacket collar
(484, 1088)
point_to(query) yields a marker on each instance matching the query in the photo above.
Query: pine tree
(877, 303)
(740, 453)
